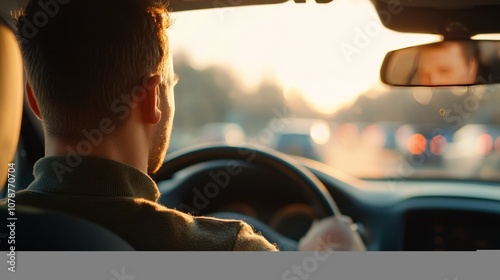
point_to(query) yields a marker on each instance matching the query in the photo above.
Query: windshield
(304, 79)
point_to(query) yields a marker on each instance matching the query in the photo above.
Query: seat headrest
(8, 8)
(11, 96)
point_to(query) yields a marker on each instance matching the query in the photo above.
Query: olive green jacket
(123, 199)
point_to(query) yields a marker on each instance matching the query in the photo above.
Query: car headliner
(473, 16)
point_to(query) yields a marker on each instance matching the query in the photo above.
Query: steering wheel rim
(322, 203)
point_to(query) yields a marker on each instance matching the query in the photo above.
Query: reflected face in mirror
(447, 63)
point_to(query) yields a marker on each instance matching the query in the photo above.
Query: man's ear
(32, 101)
(151, 104)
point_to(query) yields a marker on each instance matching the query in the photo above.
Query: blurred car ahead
(302, 137)
(475, 150)
(221, 133)
(381, 135)
(423, 144)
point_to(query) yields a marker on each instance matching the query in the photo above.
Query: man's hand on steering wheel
(332, 233)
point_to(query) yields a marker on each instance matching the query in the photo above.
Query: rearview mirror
(447, 63)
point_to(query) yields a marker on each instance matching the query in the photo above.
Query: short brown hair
(469, 49)
(82, 55)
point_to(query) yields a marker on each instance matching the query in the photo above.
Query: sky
(329, 53)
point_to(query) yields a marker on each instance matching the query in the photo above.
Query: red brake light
(438, 144)
(417, 144)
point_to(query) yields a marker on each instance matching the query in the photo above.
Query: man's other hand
(332, 233)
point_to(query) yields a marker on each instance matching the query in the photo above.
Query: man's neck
(119, 149)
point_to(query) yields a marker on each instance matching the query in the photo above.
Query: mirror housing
(446, 63)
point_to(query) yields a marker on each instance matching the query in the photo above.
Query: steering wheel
(304, 182)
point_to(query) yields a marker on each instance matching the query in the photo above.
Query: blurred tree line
(215, 94)
(453, 107)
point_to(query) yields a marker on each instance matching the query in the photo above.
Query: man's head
(448, 63)
(97, 67)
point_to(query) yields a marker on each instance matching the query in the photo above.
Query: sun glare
(330, 53)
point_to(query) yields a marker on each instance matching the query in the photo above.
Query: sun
(329, 53)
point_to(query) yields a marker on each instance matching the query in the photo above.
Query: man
(100, 79)
(448, 63)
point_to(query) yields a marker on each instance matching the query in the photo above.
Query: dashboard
(450, 230)
(404, 215)
(418, 215)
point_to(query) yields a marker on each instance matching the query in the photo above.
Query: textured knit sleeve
(248, 240)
